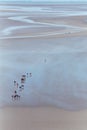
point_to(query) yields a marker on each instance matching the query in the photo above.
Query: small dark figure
(17, 85)
(15, 97)
(14, 82)
(45, 60)
(21, 87)
(27, 75)
(24, 76)
(22, 80)
(15, 92)
(12, 97)
(30, 74)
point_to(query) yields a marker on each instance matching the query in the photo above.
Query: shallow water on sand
(58, 65)
(59, 81)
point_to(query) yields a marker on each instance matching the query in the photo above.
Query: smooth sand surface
(45, 118)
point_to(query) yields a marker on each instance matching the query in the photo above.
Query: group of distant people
(18, 87)
(16, 96)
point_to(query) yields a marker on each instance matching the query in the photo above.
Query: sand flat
(51, 42)
(47, 118)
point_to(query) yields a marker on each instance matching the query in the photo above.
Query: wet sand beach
(44, 118)
(43, 67)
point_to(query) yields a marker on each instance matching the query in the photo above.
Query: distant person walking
(15, 92)
(23, 78)
(15, 96)
(45, 60)
(14, 83)
(17, 85)
(27, 75)
(21, 88)
(30, 74)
